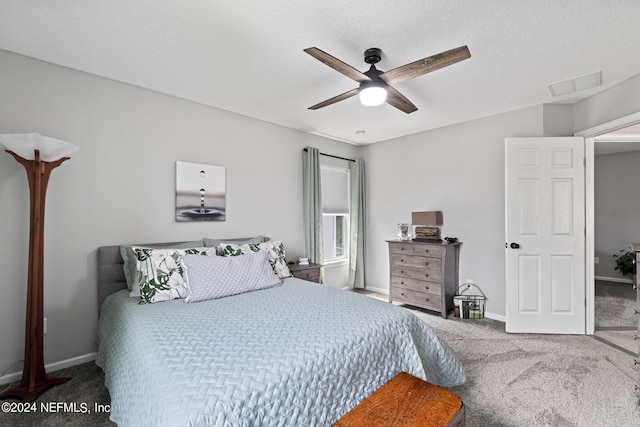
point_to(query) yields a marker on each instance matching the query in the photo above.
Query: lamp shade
(372, 94)
(426, 218)
(24, 144)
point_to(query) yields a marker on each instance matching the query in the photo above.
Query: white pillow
(159, 272)
(216, 277)
(274, 248)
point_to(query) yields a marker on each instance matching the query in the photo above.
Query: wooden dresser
(636, 248)
(424, 275)
(310, 272)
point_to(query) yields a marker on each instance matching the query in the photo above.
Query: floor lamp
(39, 155)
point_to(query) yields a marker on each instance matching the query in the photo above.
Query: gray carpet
(616, 323)
(539, 380)
(512, 380)
(85, 387)
(614, 305)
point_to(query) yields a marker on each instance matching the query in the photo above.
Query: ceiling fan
(375, 85)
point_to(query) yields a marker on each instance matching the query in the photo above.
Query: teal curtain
(357, 216)
(312, 194)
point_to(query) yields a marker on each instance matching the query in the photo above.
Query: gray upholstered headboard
(110, 270)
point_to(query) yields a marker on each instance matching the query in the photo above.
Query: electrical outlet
(44, 326)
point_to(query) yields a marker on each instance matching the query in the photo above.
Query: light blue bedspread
(299, 354)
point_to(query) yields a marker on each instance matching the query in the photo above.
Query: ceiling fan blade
(426, 65)
(399, 101)
(337, 65)
(335, 99)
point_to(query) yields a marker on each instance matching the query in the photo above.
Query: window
(335, 212)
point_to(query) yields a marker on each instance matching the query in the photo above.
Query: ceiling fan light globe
(373, 96)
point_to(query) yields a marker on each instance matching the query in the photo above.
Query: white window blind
(335, 190)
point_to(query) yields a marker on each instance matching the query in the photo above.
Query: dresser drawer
(417, 261)
(310, 272)
(416, 273)
(417, 285)
(401, 248)
(419, 299)
(310, 275)
(428, 250)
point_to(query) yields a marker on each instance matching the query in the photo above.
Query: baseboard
(52, 367)
(499, 317)
(384, 291)
(613, 279)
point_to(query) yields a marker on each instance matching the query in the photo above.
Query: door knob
(514, 245)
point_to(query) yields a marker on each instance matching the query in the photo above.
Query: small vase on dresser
(424, 274)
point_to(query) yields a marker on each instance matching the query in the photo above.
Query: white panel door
(545, 235)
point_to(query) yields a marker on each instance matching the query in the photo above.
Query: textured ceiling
(247, 57)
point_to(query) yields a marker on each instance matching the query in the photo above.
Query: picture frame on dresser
(424, 274)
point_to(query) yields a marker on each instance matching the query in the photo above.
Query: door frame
(589, 188)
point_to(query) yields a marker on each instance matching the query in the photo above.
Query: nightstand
(310, 272)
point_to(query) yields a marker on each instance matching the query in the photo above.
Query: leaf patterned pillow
(160, 274)
(274, 248)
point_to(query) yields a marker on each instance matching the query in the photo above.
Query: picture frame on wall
(201, 193)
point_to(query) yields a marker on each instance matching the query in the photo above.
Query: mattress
(300, 354)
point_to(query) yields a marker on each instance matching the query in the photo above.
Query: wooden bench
(406, 401)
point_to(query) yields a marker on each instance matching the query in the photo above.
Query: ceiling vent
(576, 84)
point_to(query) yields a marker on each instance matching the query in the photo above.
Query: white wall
(617, 208)
(611, 104)
(119, 187)
(459, 170)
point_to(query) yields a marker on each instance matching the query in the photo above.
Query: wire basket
(469, 306)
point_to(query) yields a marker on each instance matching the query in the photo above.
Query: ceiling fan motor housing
(372, 55)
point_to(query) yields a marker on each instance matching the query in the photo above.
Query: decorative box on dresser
(424, 274)
(636, 249)
(310, 272)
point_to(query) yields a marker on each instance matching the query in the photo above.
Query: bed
(296, 354)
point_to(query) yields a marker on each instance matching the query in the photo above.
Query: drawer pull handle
(635, 312)
(426, 275)
(635, 361)
(635, 337)
(402, 293)
(426, 250)
(427, 299)
(426, 263)
(426, 287)
(401, 271)
(402, 283)
(401, 259)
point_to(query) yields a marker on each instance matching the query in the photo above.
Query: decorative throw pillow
(216, 277)
(274, 248)
(159, 272)
(129, 259)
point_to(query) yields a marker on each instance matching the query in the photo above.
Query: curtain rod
(331, 155)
